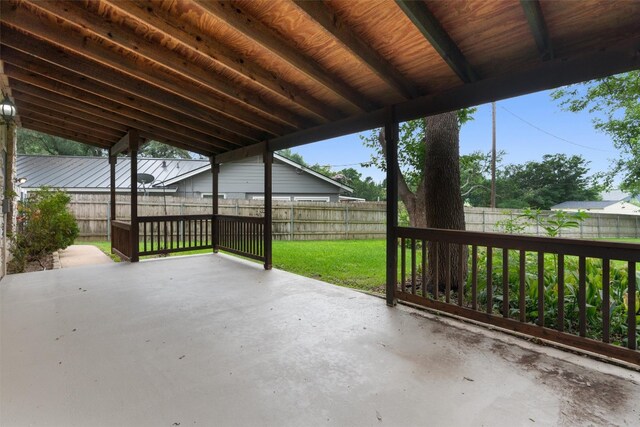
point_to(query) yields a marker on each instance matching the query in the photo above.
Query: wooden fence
(318, 221)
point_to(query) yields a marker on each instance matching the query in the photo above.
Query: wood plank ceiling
(215, 76)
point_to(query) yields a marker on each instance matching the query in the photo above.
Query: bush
(44, 226)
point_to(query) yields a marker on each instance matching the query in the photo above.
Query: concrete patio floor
(213, 340)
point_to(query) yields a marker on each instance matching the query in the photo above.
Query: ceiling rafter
(127, 39)
(432, 30)
(201, 120)
(214, 50)
(55, 86)
(269, 39)
(65, 133)
(159, 134)
(75, 40)
(116, 97)
(327, 19)
(538, 26)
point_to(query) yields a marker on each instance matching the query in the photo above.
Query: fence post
(483, 221)
(291, 221)
(346, 220)
(618, 226)
(598, 222)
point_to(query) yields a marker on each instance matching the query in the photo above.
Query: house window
(275, 198)
(208, 195)
(312, 199)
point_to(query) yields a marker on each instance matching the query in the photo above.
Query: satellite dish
(145, 178)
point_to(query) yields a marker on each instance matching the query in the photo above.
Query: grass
(353, 263)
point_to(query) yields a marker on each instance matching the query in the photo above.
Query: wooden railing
(121, 239)
(174, 233)
(241, 235)
(574, 292)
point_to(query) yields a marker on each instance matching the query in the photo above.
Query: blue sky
(521, 141)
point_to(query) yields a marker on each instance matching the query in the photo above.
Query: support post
(112, 190)
(391, 137)
(133, 151)
(268, 198)
(215, 170)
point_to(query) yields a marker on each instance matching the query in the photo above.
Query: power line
(552, 135)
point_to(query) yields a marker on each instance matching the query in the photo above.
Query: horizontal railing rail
(241, 235)
(121, 239)
(574, 292)
(174, 233)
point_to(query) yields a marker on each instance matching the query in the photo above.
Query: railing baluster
(474, 277)
(606, 303)
(403, 267)
(523, 284)
(413, 266)
(447, 276)
(505, 283)
(151, 224)
(461, 267)
(582, 296)
(631, 311)
(561, 292)
(489, 288)
(436, 270)
(171, 231)
(424, 268)
(144, 235)
(540, 288)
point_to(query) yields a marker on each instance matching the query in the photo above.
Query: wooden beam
(131, 40)
(538, 26)
(80, 42)
(22, 80)
(35, 94)
(123, 144)
(242, 153)
(391, 135)
(27, 110)
(547, 75)
(133, 140)
(268, 208)
(332, 23)
(195, 40)
(194, 127)
(203, 120)
(66, 134)
(423, 19)
(252, 28)
(71, 129)
(113, 160)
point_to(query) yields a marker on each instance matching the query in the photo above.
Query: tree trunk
(414, 202)
(444, 207)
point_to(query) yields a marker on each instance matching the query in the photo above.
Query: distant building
(180, 177)
(600, 206)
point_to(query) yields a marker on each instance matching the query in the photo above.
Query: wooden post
(391, 137)
(112, 189)
(133, 151)
(268, 202)
(215, 170)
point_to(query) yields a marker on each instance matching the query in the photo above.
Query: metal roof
(93, 172)
(596, 204)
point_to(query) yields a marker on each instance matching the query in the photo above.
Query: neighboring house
(602, 206)
(619, 195)
(180, 177)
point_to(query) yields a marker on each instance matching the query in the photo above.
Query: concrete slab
(212, 340)
(79, 255)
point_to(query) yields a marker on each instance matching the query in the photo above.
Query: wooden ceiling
(216, 77)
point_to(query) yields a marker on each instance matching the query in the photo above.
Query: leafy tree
(159, 150)
(557, 178)
(45, 225)
(296, 157)
(475, 169)
(33, 142)
(365, 188)
(615, 103)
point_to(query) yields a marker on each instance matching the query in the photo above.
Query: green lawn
(353, 263)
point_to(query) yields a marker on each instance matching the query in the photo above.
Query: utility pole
(493, 157)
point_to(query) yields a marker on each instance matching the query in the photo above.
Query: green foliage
(296, 157)
(614, 103)
(45, 225)
(32, 142)
(557, 178)
(158, 150)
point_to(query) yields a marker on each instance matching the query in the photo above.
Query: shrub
(44, 226)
